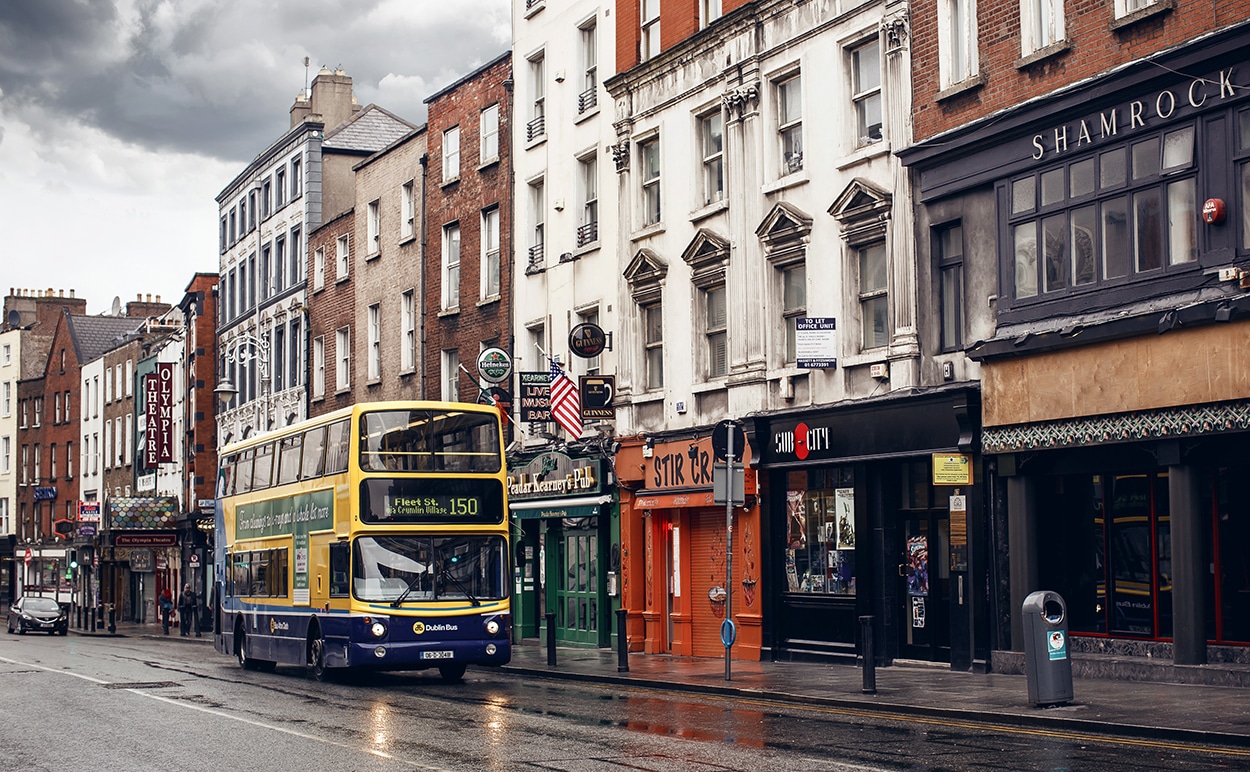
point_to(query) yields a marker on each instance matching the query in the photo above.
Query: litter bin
(1046, 662)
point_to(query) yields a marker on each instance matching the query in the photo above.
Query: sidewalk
(1218, 715)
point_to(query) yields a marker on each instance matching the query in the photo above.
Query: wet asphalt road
(144, 704)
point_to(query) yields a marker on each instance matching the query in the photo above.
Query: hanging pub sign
(597, 392)
(587, 340)
(494, 365)
(534, 392)
(158, 395)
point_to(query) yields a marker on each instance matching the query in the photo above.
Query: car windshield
(416, 568)
(41, 604)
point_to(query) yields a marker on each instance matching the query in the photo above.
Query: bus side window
(314, 453)
(340, 570)
(337, 447)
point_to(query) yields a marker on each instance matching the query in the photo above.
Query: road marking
(221, 714)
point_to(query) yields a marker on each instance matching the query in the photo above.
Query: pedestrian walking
(166, 604)
(186, 611)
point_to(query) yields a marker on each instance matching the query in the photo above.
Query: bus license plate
(437, 654)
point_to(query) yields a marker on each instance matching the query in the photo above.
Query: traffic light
(73, 560)
(63, 528)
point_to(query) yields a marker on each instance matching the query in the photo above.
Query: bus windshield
(424, 568)
(429, 441)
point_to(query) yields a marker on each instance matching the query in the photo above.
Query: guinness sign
(587, 340)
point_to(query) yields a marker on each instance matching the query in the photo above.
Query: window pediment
(784, 232)
(863, 210)
(708, 258)
(646, 274)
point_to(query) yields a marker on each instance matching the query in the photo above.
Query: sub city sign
(158, 397)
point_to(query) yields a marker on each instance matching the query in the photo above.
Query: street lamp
(243, 350)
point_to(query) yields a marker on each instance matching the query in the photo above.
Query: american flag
(566, 404)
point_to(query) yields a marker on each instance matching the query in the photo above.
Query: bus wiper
(407, 591)
(447, 573)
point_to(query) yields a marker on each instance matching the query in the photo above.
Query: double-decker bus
(374, 537)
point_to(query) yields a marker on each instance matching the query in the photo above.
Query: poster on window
(796, 536)
(844, 506)
(918, 566)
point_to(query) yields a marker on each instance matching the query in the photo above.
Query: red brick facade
(1094, 46)
(330, 309)
(482, 186)
(679, 19)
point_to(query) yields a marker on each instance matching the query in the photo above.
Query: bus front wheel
(317, 655)
(451, 673)
(246, 661)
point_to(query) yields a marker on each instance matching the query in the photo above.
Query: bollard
(622, 641)
(93, 616)
(870, 657)
(551, 640)
(112, 619)
(78, 617)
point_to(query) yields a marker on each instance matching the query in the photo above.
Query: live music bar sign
(158, 394)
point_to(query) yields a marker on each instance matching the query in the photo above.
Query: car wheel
(451, 673)
(64, 631)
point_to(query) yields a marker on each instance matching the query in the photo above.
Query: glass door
(925, 574)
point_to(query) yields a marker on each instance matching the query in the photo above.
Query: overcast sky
(121, 120)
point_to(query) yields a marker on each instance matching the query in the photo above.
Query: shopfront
(566, 558)
(679, 586)
(1116, 403)
(140, 556)
(873, 510)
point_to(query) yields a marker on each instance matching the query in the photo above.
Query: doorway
(577, 584)
(924, 570)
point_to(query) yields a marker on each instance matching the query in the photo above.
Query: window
(319, 367)
(1243, 156)
(57, 400)
(52, 462)
(233, 221)
(949, 256)
(251, 281)
(709, 11)
(277, 376)
(408, 318)
(296, 375)
(408, 210)
(129, 382)
(1041, 24)
(266, 273)
(589, 97)
(6, 355)
(715, 321)
(375, 342)
(793, 304)
(297, 182)
(129, 449)
(251, 211)
(653, 344)
(490, 253)
(790, 124)
(451, 154)
(650, 16)
(343, 357)
(588, 190)
(820, 531)
(6, 455)
(341, 256)
(319, 268)
(866, 92)
(6, 399)
(874, 295)
(108, 386)
(38, 411)
(297, 257)
(957, 41)
(279, 265)
(265, 198)
(538, 215)
(374, 224)
(649, 155)
(537, 125)
(451, 266)
(712, 146)
(590, 316)
(489, 124)
(451, 376)
(69, 460)
(1104, 219)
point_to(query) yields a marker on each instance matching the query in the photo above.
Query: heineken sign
(494, 365)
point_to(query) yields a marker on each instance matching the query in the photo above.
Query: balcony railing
(536, 258)
(587, 99)
(536, 128)
(588, 233)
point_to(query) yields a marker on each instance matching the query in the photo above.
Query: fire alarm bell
(1213, 211)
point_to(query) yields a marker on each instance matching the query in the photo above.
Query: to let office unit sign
(158, 395)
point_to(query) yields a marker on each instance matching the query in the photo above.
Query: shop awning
(574, 506)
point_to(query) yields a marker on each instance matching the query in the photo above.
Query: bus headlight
(378, 629)
(492, 626)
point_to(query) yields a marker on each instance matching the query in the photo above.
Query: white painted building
(565, 203)
(91, 445)
(10, 369)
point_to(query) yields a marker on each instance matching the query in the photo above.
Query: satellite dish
(117, 305)
(15, 318)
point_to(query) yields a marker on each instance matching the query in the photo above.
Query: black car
(43, 614)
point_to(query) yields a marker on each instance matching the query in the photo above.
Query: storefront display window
(820, 532)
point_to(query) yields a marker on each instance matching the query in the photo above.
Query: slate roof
(94, 335)
(369, 130)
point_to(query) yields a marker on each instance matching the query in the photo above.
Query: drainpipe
(425, 164)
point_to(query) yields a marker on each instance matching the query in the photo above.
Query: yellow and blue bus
(374, 537)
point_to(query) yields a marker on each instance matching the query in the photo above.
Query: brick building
(468, 225)
(330, 313)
